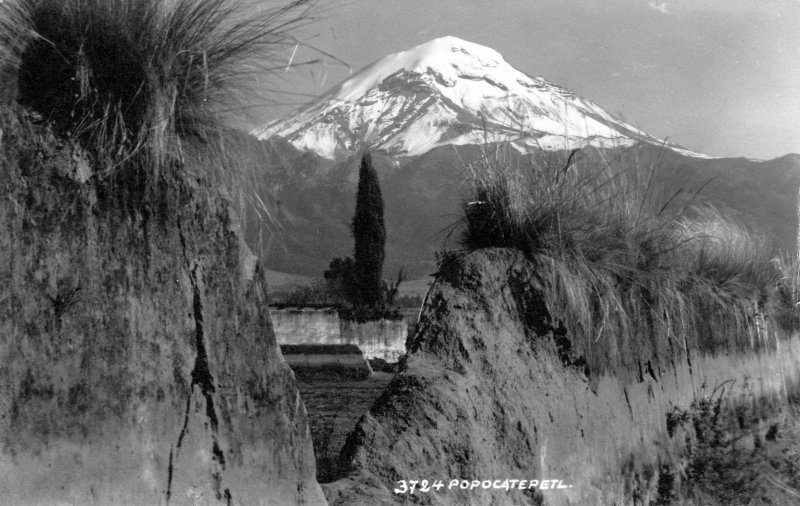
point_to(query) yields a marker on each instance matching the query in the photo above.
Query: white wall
(384, 339)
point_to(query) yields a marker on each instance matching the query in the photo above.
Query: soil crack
(203, 379)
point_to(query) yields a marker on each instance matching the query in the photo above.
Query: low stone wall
(306, 326)
(326, 361)
(384, 339)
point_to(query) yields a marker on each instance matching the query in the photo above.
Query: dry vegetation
(146, 86)
(627, 273)
(733, 458)
(635, 278)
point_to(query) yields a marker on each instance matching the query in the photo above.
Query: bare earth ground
(333, 408)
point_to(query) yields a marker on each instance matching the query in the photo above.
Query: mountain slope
(426, 114)
(448, 92)
(311, 201)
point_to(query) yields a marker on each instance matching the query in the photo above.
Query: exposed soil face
(139, 362)
(490, 390)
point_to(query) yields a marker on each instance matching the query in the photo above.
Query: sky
(721, 77)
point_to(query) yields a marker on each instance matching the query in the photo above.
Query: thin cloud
(659, 6)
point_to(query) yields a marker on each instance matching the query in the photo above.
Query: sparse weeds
(730, 458)
(628, 272)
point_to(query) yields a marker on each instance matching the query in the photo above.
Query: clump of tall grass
(632, 275)
(140, 80)
(727, 254)
(787, 312)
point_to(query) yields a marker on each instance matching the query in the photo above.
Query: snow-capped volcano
(447, 91)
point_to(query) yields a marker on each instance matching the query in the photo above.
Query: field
(415, 287)
(334, 407)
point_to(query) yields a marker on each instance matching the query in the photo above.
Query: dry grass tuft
(143, 85)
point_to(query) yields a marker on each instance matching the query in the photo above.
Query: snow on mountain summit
(447, 91)
(445, 59)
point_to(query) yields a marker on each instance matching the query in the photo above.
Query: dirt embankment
(139, 362)
(491, 391)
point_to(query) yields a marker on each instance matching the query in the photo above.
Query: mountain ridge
(449, 91)
(311, 200)
(424, 128)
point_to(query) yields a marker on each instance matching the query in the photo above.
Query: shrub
(341, 280)
(138, 79)
(632, 277)
(315, 294)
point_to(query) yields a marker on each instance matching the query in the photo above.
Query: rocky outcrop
(490, 394)
(138, 360)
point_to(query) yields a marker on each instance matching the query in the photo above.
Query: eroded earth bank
(138, 360)
(494, 388)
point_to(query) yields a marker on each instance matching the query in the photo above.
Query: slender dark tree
(369, 233)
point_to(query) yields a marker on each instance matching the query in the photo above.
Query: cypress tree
(369, 233)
